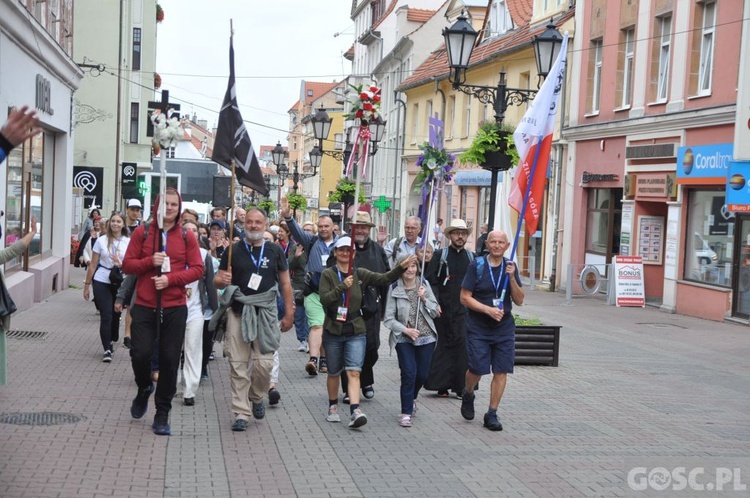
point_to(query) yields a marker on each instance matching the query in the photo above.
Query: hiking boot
(492, 422)
(273, 396)
(259, 410)
(188, 401)
(467, 406)
(107, 358)
(333, 414)
(358, 419)
(312, 367)
(140, 402)
(161, 424)
(239, 425)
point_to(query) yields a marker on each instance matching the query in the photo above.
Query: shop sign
(44, 95)
(629, 281)
(651, 185)
(479, 178)
(90, 180)
(704, 164)
(738, 187)
(598, 177)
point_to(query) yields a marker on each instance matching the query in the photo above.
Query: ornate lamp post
(459, 41)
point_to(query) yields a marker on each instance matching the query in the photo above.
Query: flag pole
(231, 224)
(425, 232)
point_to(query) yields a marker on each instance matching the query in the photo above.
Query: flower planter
(497, 160)
(537, 345)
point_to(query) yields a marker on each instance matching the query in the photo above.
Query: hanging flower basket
(159, 13)
(493, 145)
(157, 81)
(267, 206)
(297, 201)
(433, 163)
(345, 192)
(365, 105)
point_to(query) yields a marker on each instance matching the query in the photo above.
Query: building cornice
(678, 121)
(26, 32)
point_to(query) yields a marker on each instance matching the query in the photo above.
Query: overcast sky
(277, 44)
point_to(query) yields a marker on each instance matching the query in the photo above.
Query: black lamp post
(277, 156)
(459, 41)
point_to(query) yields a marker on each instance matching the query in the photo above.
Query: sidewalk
(635, 388)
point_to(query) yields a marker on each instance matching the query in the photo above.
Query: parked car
(704, 253)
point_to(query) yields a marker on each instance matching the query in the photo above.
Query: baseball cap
(218, 223)
(135, 203)
(343, 242)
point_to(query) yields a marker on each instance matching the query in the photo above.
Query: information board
(651, 239)
(629, 283)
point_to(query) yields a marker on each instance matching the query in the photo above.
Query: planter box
(537, 345)
(496, 160)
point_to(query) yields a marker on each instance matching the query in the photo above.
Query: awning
(478, 178)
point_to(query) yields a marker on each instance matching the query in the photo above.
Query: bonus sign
(629, 288)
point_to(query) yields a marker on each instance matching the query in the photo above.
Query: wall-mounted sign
(43, 100)
(479, 178)
(596, 177)
(90, 180)
(650, 239)
(704, 164)
(738, 187)
(649, 151)
(650, 185)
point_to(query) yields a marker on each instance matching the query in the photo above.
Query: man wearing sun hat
(445, 274)
(370, 256)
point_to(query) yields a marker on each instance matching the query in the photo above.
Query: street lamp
(459, 41)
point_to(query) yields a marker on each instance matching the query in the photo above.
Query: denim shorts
(344, 352)
(490, 350)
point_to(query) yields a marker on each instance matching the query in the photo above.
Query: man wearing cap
(133, 214)
(369, 256)
(395, 248)
(318, 247)
(445, 273)
(217, 238)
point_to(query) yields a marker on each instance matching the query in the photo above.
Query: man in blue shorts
(489, 289)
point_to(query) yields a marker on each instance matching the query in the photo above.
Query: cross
(382, 204)
(437, 131)
(164, 106)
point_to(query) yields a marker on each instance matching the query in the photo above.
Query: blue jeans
(414, 362)
(344, 352)
(300, 323)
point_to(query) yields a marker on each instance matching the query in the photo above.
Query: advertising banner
(629, 286)
(704, 164)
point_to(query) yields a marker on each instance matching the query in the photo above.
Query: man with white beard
(258, 273)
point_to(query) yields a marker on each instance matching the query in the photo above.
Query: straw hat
(363, 219)
(456, 225)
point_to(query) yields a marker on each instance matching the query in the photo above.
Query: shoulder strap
(145, 230)
(312, 243)
(471, 256)
(480, 266)
(443, 261)
(396, 248)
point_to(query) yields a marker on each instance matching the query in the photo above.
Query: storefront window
(710, 238)
(603, 218)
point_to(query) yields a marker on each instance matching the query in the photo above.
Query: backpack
(444, 261)
(147, 225)
(396, 248)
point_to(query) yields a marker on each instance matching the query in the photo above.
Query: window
(627, 67)
(603, 219)
(500, 20)
(134, 110)
(338, 141)
(710, 239)
(597, 82)
(451, 116)
(429, 112)
(136, 58)
(467, 115)
(707, 48)
(484, 113)
(664, 38)
(415, 124)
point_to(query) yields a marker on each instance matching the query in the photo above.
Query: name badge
(166, 267)
(255, 281)
(324, 260)
(497, 303)
(341, 314)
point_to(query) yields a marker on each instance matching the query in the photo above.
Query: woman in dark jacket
(344, 330)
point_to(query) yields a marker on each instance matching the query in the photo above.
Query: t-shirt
(105, 252)
(485, 291)
(269, 256)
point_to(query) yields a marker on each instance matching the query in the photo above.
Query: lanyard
(164, 241)
(252, 258)
(500, 278)
(343, 296)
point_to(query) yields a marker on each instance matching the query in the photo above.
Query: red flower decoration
(375, 89)
(367, 106)
(359, 114)
(376, 97)
(364, 96)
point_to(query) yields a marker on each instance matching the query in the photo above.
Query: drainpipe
(560, 147)
(398, 169)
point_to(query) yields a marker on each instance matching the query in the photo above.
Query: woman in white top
(108, 252)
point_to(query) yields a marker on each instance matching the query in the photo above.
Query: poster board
(630, 290)
(651, 239)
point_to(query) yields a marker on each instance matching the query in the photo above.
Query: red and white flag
(533, 138)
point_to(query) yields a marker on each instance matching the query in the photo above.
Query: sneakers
(368, 392)
(312, 366)
(273, 396)
(126, 342)
(358, 419)
(467, 406)
(303, 347)
(492, 422)
(323, 366)
(107, 358)
(140, 402)
(345, 400)
(239, 425)
(188, 401)
(442, 394)
(405, 421)
(211, 357)
(259, 410)
(161, 424)
(333, 414)
(414, 409)
(204, 377)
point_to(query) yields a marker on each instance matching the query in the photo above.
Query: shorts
(316, 315)
(344, 352)
(485, 351)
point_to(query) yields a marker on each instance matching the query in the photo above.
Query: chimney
(203, 123)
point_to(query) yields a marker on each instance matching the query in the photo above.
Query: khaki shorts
(314, 310)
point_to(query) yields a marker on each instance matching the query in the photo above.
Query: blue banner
(698, 162)
(738, 186)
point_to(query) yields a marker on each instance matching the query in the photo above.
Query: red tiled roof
(436, 66)
(318, 89)
(268, 171)
(199, 145)
(268, 149)
(419, 15)
(349, 54)
(521, 11)
(295, 106)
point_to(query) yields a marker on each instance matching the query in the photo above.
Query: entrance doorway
(741, 269)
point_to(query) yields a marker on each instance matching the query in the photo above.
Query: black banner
(91, 180)
(129, 181)
(222, 191)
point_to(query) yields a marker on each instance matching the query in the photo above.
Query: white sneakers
(333, 414)
(303, 347)
(358, 419)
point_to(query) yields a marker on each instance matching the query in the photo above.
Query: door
(741, 269)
